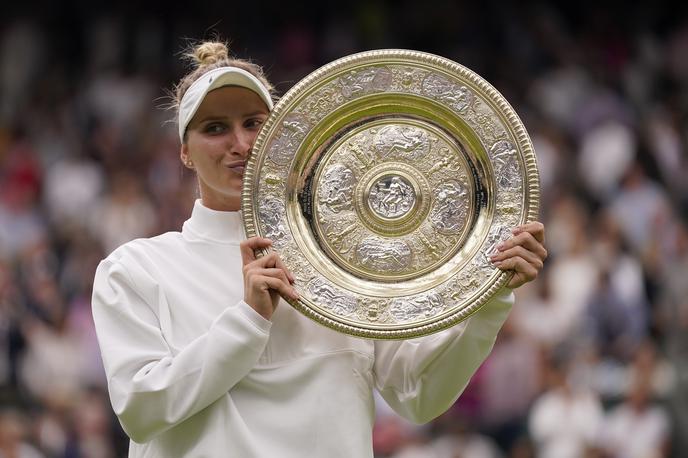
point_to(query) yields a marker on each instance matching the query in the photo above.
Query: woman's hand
(264, 278)
(524, 253)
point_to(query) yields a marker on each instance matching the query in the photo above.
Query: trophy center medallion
(391, 197)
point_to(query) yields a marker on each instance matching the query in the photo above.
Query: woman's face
(219, 139)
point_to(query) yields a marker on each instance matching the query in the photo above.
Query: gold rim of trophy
(385, 180)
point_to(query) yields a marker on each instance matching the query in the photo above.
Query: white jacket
(193, 371)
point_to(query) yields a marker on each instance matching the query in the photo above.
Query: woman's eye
(254, 123)
(214, 128)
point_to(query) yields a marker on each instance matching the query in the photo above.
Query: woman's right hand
(265, 278)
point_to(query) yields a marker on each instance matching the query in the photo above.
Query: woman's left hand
(524, 253)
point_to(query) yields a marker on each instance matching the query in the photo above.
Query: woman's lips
(237, 168)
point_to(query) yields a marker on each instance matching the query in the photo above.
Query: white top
(565, 424)
(193, 371)
(629, 433)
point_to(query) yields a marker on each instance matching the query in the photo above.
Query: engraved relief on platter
(509, 208)
(463, 285)
(336, 189)
(402, 142)
(362, 246)
(383, 255)
(456, 96)
(507, 166)
(356, 83)
(421, 306)
(289, 136)
(466, 104)
(403, 79)
(392, 197)
(429, 248)
(364, 81)
(320, 103)
(334, 202)
(449, 214)
(298, 265)
(339, 302)
(498, 233)
(272, 214)
(374, 310)
(272, 183)
(509, 180)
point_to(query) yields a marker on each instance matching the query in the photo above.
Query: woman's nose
(240, 142)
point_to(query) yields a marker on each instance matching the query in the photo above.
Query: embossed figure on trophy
(361, 82)
(506, 164)
(296, 127)
(448, 163)
(364, 158)
(337, 188)
(327, 294)
(316, 106)
(410, 79)
(412, 308)
(392, 197)
(374, 309)
(402, 141)
(449, 213)
(464, 284)
(431, 248)
(341, 241)
(438, 87)
(397, 193)
(495, 237)
(272, 213)
(293, 131)
(378, 254)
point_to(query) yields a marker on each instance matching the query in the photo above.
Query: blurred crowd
(593, 361)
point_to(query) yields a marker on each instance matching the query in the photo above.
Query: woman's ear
(185, 158)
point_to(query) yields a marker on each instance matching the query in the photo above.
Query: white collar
(214, 225)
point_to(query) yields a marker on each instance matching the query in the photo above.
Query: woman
(201, 357)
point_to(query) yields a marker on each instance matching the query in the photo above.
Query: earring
(188, 163)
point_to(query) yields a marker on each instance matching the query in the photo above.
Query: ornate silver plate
(385, 180)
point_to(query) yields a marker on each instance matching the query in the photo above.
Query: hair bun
(210, 52)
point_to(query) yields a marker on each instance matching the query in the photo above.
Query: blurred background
(593, 361)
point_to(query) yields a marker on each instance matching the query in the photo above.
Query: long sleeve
(421, 378)
(153, 386)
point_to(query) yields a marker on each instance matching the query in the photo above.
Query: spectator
(565, 419)
(637, 428)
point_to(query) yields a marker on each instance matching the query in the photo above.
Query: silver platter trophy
(385, 180)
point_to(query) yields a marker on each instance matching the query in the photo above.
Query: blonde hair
(210, 55)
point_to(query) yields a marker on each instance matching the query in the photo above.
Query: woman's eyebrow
(212, 118)
(256, 113)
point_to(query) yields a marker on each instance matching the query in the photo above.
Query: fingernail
(501, 246)
(516, 230)
(295, 294)
(496, 263)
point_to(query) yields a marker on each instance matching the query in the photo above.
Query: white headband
(223, 76)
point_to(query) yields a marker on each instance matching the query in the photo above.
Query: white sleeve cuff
(254, 317)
